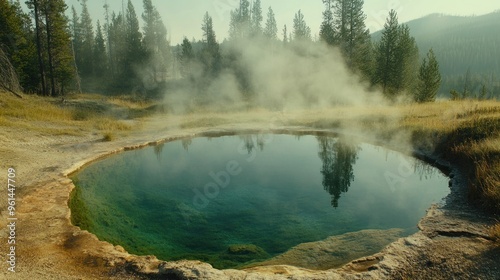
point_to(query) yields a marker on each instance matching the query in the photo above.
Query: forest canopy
(52, 49)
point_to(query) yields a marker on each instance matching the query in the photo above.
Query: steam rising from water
(299, 76)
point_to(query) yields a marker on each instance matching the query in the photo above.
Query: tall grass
(495, 233)
(469, 136)
(52, 117)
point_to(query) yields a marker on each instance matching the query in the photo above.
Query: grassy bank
(466, 133)
(55, 116)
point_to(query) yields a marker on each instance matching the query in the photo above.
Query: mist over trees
(54, 49)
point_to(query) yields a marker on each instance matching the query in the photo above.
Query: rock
(190, 270)
(242, 253)
(245, 249)
(336, 250)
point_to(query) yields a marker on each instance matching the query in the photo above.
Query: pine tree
(396, 68)
(210, 55)
(186, 58)
(87, 42)
(58, 40)
(35, 5)
(76, 34)
(285, 35)
(271, 30)
(341, 20)
(240, 25)
(386, 56)
(429, 79)
(301, 32)
(117, 47)
(134, 53)
(407, 61)
(156, 46)
(327, 32)
(100, 61)
(106, 31)
(256, 19)
(352, 35)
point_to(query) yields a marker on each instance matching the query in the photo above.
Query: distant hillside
(461, 43)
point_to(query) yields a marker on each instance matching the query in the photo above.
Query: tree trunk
(39, 48)
(49, 50)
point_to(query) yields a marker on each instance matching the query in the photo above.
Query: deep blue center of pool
(234, 200)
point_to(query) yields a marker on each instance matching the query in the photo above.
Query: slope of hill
(461, 44)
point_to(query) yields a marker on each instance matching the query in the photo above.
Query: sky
(183, 17)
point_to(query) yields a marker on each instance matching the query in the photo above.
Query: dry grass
(51, 117)
(130, 103)
(470, 137)
(448, 116)
(31, 108)
(495, 233)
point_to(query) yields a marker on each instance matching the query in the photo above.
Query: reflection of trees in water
(338, 157)
(423, 169)
(252, 141)
(186, 143)
(158, 149)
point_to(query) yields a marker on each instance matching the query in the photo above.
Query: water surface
(235, 200)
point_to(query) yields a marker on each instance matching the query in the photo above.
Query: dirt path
(452, 244)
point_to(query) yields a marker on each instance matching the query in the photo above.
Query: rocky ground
(453, 242)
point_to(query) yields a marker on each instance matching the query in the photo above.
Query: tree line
(53, 53)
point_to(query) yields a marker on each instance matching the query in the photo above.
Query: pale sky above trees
(184, 18)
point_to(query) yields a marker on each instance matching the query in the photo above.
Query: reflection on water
(338, 157)
(234, 200)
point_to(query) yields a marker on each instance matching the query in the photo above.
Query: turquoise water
(233, 200)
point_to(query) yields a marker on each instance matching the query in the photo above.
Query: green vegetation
(79, 210)
(55, 55)
(465, 47)
(396, 60)
(344, 26)
(429, 79)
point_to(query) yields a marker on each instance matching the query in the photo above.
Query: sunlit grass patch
(107, 124)
(52, 116)
(32, 108)
(130, 103)
(495, 233)
(469, 136)
(81, 114)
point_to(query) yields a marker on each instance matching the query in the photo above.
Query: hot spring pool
(237, 200)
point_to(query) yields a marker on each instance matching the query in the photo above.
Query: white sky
(183, 17)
